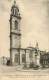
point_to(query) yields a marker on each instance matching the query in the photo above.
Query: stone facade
(18, 55)
(44, 59)
(15, 35)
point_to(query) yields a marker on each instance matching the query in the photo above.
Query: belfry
(15, 35)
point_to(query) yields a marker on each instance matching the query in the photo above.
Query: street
(10, 73)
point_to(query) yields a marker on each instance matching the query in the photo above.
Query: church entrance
(16, 60)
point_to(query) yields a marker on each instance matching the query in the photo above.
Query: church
(18, 55)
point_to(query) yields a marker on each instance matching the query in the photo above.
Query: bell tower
(15, 34)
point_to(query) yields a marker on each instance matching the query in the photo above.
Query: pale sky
(34, 24)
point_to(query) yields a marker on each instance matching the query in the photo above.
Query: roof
(15, 6)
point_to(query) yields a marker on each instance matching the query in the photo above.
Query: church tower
(15, 35)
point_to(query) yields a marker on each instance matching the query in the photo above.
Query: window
(16, 58)
(15, 11)
(23, 58)
(14, 41)
(16, 25)
(12, 11)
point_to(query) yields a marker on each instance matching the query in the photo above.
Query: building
(23, 56)
(3, 60)
(15, 35)
(18, 55)
(44, 59)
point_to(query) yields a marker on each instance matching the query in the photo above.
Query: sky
(34, 24)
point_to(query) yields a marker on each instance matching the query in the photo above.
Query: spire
(36, 44)
(37, 47)
(14, 2)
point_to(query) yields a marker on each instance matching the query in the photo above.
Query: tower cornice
(15, 33)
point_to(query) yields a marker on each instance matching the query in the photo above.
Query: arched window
(15, 11)
(16, 25)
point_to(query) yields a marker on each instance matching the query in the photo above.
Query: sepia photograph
(24, 39)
